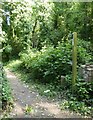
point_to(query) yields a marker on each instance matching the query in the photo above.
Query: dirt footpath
(29, 103)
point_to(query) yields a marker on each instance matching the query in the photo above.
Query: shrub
(50, 63)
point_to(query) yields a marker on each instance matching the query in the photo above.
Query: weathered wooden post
(74, 61)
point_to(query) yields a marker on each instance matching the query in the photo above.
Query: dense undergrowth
(5, 97)
(44, 69)
(50, 63)
(41, 34)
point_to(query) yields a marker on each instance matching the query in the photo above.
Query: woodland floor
(38, 106)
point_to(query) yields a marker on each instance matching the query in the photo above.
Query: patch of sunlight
(14, 63)
(11, 76)
(51, 107)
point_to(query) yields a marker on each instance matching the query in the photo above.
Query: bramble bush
(48, 64)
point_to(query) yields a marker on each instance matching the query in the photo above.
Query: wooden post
(74, 60)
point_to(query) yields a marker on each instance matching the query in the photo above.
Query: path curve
(41, 107)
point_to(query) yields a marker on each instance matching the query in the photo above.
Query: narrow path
(41, 107)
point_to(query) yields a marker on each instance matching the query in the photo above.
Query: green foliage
(6, 94)
(84, 92)
(29, 24)
(50, 63)
(5, 88)
(39, 24)
(88, 49)
(45, 64)
(8, 49)
(49, 24)
(28, 109)
(82, 100)
(77, 107)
